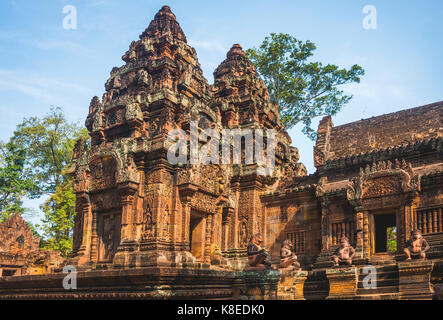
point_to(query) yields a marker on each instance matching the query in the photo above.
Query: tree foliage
(49, 144)
(303, 89)
(58, 221)
(15, 179)
(391, 239)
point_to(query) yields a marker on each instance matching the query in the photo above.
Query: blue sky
(42, 64)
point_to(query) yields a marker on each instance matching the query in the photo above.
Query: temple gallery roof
(382, 132)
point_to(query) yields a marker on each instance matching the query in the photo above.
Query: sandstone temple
(19, 250)
(146, 228)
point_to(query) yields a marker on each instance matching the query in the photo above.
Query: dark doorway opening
(385, 232)
(8, 273)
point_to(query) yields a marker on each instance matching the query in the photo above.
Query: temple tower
(136, 208)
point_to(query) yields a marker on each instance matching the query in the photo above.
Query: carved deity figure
(166, 217)
(258, 257)
(288, 259)
(148, 224)
(220, 182)
(416, 247)
(243, 233)
(344, 253)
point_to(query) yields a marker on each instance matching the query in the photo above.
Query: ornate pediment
(383, 179)
(381, 185)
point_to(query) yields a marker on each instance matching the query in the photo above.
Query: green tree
(302, 89)
(15, 180)
(58, 222)
(392, 239)
(49, 143)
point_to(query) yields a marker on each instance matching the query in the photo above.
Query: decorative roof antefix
(388, 165)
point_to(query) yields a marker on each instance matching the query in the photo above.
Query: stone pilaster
(127, 193)
(359, 222)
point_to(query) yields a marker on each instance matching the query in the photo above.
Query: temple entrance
(109, 226)
(197, 235)
(8, 272)
(385, 233)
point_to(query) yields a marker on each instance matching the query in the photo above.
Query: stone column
(186, 192)
(359, 223)
(94, 236)
(86, 228)
(127, 193)
(325, 227)
(226, 222)
(186, 220)
(366, 240)
(208, 237)
(81, 243)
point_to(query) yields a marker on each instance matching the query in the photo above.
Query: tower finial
(165, 11)
(236, 50)
(164, 23)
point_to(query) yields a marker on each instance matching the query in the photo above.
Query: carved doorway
(109, 227)
(197, 233)
(8, 272)
(384, 229)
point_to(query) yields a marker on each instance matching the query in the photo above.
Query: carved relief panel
(103, 173)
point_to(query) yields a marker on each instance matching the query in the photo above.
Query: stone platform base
(415, 280)
(405, 280)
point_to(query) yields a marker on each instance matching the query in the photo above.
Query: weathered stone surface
(342, 282)
(379, 133)
(291, 285)
(135, 210)
(415, 280)
(19, 250)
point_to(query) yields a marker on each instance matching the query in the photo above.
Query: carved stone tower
(135, 208)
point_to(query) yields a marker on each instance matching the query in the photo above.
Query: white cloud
(209, 45)
(67, 45)
(48, 90)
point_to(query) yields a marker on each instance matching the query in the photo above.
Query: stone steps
(376, 296)
(382, 259)
(379, 290)
(386, 282)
